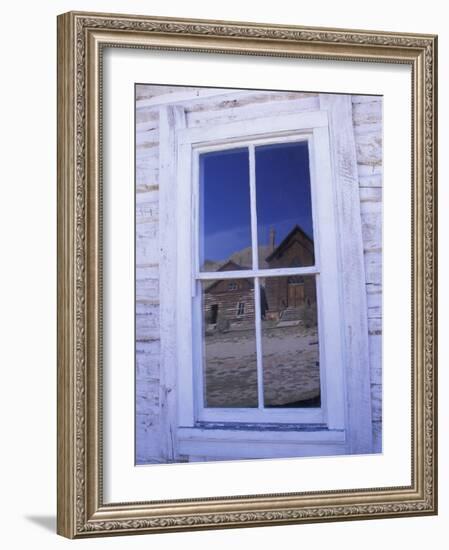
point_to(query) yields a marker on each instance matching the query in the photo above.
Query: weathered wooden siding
(202, 112)
(367, 120)
(148, 375)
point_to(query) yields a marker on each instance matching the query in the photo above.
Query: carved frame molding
(81, 38)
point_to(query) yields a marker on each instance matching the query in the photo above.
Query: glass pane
(291, 368)
(229, 343)
(225, 218)
(284, 206)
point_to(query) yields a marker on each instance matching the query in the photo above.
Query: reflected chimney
(272, 239)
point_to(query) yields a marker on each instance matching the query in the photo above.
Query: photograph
(240, 347)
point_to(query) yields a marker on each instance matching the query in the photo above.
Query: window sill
(246, 442)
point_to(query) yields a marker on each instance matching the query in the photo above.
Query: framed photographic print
(246, 274)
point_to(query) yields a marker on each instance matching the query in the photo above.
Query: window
(255, 217)
(260, 338)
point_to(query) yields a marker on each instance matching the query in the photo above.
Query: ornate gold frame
(81, 37)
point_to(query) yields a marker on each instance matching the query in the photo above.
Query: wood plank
(247, 98)
(243, 129)
(351, 260)
(251, 111)
(172, 118)
(373, 267)
(374, 128)
(367, 113)
(367, 170)
(148, 137)
(376, 399)
(372, 230)
(277, 434)
(147, 91)
(186, 95)
(148, 211)
(147, 181)
(369, 149)
(147, 116)
(370, 180)
(225, 451)
(370, 194)
(365, 98)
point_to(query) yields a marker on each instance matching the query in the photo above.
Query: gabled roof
(230, 265)
(286, 241)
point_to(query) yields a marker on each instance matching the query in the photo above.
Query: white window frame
(310, 127)
(349, 431)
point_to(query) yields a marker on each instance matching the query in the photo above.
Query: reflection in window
(229, 345)
(273, 362)
(291, 371)
(284, 206)
(225, 223)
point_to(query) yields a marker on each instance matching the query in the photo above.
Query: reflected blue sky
(283, 199)
(283, 190)
(225, 222)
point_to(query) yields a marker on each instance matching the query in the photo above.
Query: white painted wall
(28, 229)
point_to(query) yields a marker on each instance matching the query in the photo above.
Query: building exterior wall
(292, 292)
(227, 302)
(367, 122)
(295, 251)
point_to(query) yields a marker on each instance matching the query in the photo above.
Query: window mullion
(258, 328)
(255, 254)
(249, 273)
(252, 193)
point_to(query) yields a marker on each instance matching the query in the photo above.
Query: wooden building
(232, 300)
(295, 292)
(229, 301)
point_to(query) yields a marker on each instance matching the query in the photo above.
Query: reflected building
(289, 296)
(230, 302)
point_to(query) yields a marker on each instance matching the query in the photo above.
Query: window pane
(290, 342)
(225, 219)
(229, 344)
(284, 206)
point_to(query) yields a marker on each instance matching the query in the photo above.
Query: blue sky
(282, 197)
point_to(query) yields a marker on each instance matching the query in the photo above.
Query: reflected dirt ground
(291, 366)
